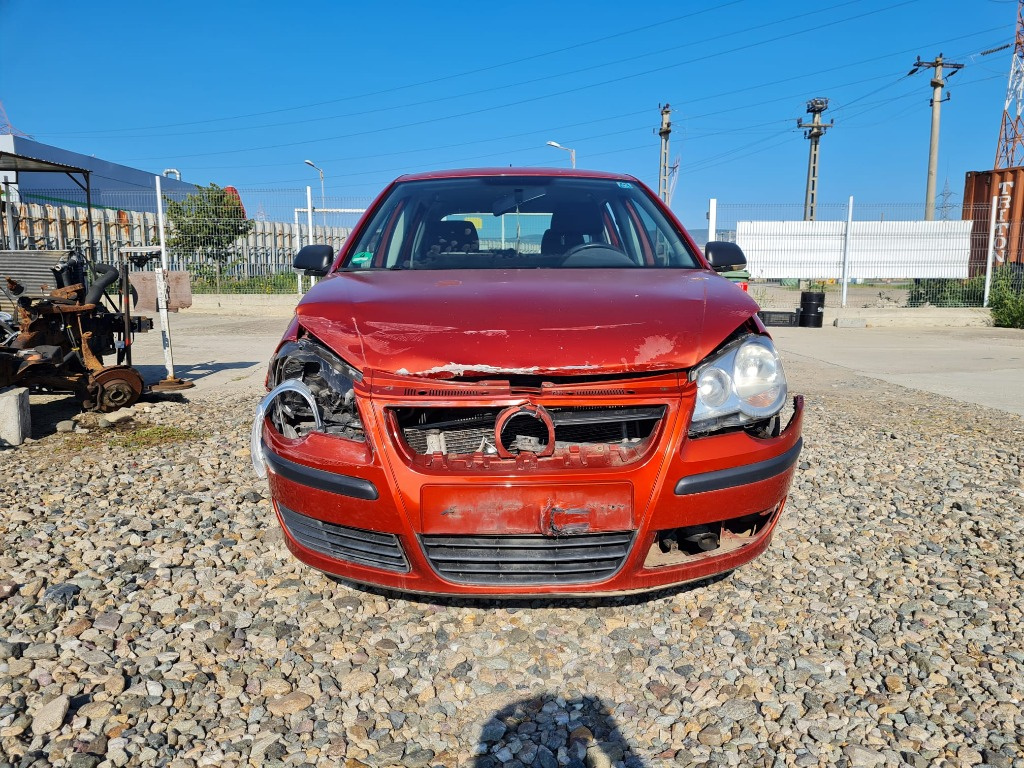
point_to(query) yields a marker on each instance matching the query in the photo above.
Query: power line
(624, 115)
(532, 99)
(491, 88)
(512, 62)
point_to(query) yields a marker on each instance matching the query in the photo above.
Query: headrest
(583, 220)
(452, 235)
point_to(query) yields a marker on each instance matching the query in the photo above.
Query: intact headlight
(743, 383)
(327, 378)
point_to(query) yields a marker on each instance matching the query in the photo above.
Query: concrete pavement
(984, 366)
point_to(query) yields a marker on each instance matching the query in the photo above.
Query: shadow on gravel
(532, 601)
(154, 373)
(48, 410)
(585, 727)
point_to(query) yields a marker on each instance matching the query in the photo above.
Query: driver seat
(556, 242)
(448, 236)
(571, 227)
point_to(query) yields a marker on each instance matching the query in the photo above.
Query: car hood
(558, 322)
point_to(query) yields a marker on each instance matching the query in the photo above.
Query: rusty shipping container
(1007, 186)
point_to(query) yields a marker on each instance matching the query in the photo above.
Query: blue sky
(243, 93)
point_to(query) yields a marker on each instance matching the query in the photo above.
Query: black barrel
(812, 309)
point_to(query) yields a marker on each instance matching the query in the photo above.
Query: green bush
(283, 282)
(1007, 297)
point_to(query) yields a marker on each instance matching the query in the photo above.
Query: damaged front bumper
(657, 508)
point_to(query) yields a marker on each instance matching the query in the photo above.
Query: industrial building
(110, 182)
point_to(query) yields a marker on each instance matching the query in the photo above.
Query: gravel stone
(152, 616)
(290, 703)
(51, 716)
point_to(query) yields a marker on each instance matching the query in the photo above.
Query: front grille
(377, 550)
(527, 560)
(471, 430)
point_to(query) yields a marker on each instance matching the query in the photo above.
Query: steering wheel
(596, 255)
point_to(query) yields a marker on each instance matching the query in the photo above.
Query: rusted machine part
(73, 383)
(93, 364)
(34, 321)
(172, 385)
(115, 387)
(70, 293)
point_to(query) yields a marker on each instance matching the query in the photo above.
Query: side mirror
(314, 259)
(723, 256)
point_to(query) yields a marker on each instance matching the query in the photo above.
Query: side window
(368, 246)
(662, 244)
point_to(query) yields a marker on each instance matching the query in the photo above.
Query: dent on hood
(460, 369)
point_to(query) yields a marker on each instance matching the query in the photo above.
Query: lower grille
(377, 550)
(527, 560)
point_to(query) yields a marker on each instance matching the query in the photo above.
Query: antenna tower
(6, 129)
(1010, 150)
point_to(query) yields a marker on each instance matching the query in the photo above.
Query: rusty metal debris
(64, 335)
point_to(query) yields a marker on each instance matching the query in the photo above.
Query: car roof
(461, 173)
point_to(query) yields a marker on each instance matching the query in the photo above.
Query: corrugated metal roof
(12, 162)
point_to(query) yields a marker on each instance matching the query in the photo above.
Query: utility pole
(663, 168)
(937, 84)
(813, 130)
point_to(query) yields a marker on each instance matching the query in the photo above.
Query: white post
(309, 216)
(991, 251)
(712, 218)
(298, 242)
(161, 286)
(12, 243)
(846, 250)
(309, 212)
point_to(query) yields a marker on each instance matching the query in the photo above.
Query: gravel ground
(151, 616)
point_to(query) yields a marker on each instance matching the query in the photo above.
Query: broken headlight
(742, 384)
(330, 381)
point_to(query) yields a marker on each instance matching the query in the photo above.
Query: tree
(207, 222)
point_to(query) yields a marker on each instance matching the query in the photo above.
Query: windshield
(508, 222)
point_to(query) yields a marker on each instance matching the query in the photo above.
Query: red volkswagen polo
(525, 381)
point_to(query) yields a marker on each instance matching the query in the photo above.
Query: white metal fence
(270, 228)
(863, 256)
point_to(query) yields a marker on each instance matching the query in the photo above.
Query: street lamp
(323, 199)
(572, 152)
